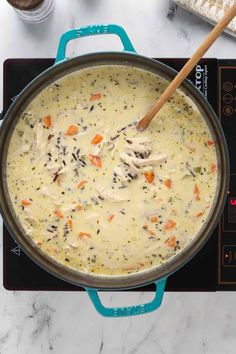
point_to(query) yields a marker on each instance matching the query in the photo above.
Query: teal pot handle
(91, 31)
(130, 310)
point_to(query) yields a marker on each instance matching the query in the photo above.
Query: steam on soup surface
(93, 192)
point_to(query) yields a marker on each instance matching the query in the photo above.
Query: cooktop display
(214, 268)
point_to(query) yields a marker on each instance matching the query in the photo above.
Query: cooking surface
(21, 273)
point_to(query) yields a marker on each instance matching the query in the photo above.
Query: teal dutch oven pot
(90, 282)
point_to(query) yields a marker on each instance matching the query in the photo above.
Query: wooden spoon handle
(230, 14)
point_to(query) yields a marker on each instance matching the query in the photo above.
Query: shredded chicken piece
(135, 162)
(152, 161)
(140, 145)
(136, 158)
(72, 242)
(119, 171)
(128, 160)
(110, 195)
(98, 148)
(138, 148)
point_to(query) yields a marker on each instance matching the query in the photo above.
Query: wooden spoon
(153, 110)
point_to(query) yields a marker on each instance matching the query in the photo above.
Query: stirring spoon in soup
(151, 113)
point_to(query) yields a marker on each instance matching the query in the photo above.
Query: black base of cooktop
(213, 268)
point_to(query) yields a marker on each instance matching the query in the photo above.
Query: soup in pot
(97, 195)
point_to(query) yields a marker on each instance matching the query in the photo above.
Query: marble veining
(172, 11)
(66, 322)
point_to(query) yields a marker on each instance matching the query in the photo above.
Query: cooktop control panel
(227, 229)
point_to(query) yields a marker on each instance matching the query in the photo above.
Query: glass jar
(33, 11)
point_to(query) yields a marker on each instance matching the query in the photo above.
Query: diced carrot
(59, 214)
(170, 224)
(196, 191)
(97, 139)
(171, 241)
(39, 242)
(152, 233)
(213, 168)
(25, 202)
(198, 215)
(95, 96)
(110, 217)
(168, 183)
(210, 142)
(95, 160)
(149, 176)
(47, 121)
(153, 219)
(84, 234)
(79, 207)
(145, 227)
(70, 223)
(72, 130)
(81, 183)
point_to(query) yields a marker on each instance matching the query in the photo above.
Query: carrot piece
(79, 207)
(59, 214)
(81, 183)
(95, 160)
(171, 241)
(196, 191)
(149, 176)
(170, 224)
(198, 215)
(168, 183)
(213, 168)
(70, 223)
(210, 142)
(84, 234)
(25, 202)
(72, 130)
(39, 242)
(152, 233)
(145, 227)
(154, 219)
(47, 121)
(110, 217)
(97, 139)
(95, 96)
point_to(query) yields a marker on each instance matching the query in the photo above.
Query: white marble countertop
(56, 322)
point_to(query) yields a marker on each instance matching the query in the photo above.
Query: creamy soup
(97, 195)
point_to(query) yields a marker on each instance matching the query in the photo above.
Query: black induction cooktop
(214, 268)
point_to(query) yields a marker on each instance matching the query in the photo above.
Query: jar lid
(25, 4)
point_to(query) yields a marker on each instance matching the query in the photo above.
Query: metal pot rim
(78, 277)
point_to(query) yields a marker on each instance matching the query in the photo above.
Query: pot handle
(91, 31)
(129, 310)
